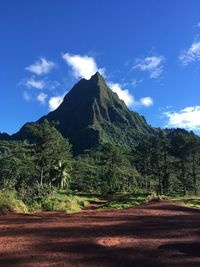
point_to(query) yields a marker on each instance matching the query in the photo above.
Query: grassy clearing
(125, 201)
(61, 201)
(66, 203)
(122, 201)
(188, 201)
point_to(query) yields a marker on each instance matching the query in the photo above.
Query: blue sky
(148, 52)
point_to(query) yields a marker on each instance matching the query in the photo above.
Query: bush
(47, 205)
(36, 194)
(72, 205)
(9, 203)
(65, 203)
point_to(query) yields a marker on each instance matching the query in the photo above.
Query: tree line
(168, 163)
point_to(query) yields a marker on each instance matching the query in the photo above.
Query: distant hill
(4, 136)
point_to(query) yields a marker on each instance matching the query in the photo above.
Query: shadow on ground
(155, 234)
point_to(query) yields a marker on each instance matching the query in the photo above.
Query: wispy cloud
(52, 84)
(26, 96)
(146, 101)
(82, 66)
(41, 66)
(153, 65)
(123, 94)
(33, 83)
(42, 98)
(188, 118)
(136, 82)
(191, 54)
(55, 101)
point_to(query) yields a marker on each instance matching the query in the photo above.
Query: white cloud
(26, 96)
(192, 54)
(55, 101)
(42, 98)
(85, 67)
(188, 118)
(82, 66)
(123, 94)
(32, 83)
(41, 66)
(198, 24)
(146, 101)
(128, 98)
(153, 65)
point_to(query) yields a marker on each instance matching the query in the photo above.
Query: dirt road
(154, 234)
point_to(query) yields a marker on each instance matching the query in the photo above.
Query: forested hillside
(93, 144)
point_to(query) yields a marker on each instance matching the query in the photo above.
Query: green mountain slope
(91, 114)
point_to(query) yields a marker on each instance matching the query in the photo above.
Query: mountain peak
(97, 78)
(97, 75)
(91, 114)
(86, 89)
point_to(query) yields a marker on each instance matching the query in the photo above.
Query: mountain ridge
(92, 114)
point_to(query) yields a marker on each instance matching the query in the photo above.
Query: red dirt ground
(154, 234)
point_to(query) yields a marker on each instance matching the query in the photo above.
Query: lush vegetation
(110, 150)
(34, 172)
(10, 203)
(91, 114)
(121, 201)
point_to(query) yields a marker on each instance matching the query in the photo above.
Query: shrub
(10, 203)
(47, 205)
(36, 194)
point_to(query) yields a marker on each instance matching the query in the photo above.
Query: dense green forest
(93, 144)
(167, 164)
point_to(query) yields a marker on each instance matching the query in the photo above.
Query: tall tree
(52, 153)
(180, 147)
(194, 148)
(16, 164)
(143, 161)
